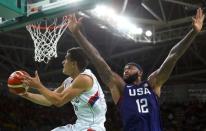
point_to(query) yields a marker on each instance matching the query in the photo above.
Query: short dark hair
(135, 64)
(77, 54)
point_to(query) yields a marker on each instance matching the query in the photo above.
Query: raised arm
(113, 81)
(161, 75)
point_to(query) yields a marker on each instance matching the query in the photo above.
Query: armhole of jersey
(67, 81)
(119, 102)
(152, 89)
(146, 81)
(92, 81)
(121, 97)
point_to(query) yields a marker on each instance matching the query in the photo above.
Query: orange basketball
(15, 82)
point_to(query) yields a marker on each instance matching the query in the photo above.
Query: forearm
(91, 52)
(51, 96)
(179, 49)
(37, 98)
(176, 52)
(101, 66)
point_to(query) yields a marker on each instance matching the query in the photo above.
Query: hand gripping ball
(15, 82)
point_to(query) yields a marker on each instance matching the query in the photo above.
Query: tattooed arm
(161, 75)
(113, 81)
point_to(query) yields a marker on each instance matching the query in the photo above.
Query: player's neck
(137, 82)
(75, 74)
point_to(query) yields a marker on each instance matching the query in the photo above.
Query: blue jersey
(139, 108)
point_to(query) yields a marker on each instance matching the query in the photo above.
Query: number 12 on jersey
(142, 105)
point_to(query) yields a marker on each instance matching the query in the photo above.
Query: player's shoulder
(83, 80)
(87, 74)
(86, 71)
(68, 80)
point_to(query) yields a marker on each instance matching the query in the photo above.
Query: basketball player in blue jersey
(137, 99)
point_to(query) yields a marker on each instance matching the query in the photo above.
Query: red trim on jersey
(93, 98)
(90, 129)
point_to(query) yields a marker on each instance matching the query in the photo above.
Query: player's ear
(140, 73)
(74, 63)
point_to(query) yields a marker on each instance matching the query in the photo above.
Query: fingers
(36, 74)
(25, 77)
(71, 21)
(29, 81)
(203, 17)
(26, 82)
(80, 20)
(73, 18)
(193, 20)
(199, 12)
(199, 17)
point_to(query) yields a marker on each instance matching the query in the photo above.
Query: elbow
(57, 104)
(48, 103)
(60, 102)
(57, 101)
(175, 54)
(174, 57)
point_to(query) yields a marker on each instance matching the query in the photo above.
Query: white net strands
(46, 34)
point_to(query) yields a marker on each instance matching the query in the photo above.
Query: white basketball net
(45, 34)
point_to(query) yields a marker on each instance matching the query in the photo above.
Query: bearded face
(131, 74)
(131, 78)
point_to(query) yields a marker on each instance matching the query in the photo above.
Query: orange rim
(44, 27)
(49, 27)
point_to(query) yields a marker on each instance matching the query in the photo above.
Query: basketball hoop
(45, 34)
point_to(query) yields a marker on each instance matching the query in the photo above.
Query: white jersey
(90, 107)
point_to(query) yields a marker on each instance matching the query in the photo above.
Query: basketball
(15, 82)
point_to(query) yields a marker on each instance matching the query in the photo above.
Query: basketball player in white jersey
(81, 89)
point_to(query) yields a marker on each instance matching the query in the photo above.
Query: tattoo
(179, 49)
(175, 53)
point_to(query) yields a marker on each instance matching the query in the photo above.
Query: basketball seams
(16, 86)
(15, 82)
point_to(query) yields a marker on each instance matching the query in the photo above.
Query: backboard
(45, 20)
(19, 13)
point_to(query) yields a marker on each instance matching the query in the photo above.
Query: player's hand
(197, 20)
(32, 81)
(23, 94)
(26, 90)
(74, 24)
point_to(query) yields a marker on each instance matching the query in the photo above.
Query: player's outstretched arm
(108, 77)
(36, 98)
(79, 85)
(160, 76)
(40, 99)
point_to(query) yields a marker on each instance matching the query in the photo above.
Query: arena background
(183, 99)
